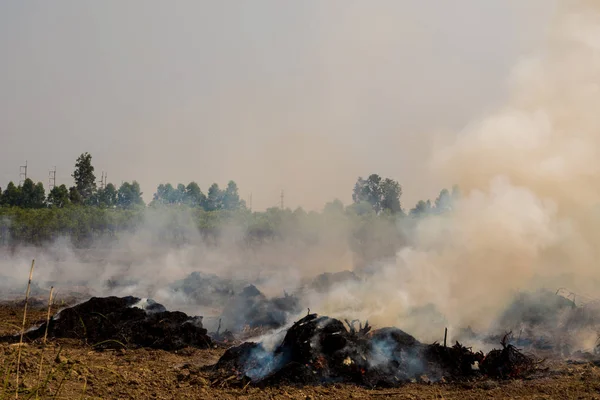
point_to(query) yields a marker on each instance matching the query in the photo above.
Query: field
(73, 370)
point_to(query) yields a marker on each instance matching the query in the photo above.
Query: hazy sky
(303, 96)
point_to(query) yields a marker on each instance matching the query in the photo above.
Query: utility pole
(22, 173)
(52, 179)
(281, 205)
(250, 202)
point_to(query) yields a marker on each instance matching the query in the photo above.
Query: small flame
(320, 362)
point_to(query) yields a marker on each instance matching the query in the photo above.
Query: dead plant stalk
(23, 328)
(46, 332)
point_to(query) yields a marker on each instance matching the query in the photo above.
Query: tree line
(383, 196)
(373, 194)
(443, 203)
(191, 195)
(85, 192)
(87, 211)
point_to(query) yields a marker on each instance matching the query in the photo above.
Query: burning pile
(319, 349)
(206, 290)
(124, 321)
(252, 309)
(548, 322)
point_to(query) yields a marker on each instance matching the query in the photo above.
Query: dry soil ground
(73, 370)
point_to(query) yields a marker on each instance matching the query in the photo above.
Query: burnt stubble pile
(319, 350)
(117, 322)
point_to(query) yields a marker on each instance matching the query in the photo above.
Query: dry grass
(46, 331)
(24, 388)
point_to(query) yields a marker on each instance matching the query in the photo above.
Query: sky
(300, 96)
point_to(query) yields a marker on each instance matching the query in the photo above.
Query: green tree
(359, 194)
(390, 196)
(11, 197)
(85, 180)
(58, 197)
(38, 199)
(129, 195)
(180, 194)
(333, 207)
(171, 195)
(32, 195)
(368, 190)
(75, 196)
(107, 197)
(299, 213)
(160, 197)
(443, 202)
(421, 209)
(167, 194)
(231, 197)
(27, 190)
(381, 194)
(194, 196)
(361, 208)
(214, 200)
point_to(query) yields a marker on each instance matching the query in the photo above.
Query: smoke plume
(529, 215)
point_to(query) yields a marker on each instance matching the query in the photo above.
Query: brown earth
(75, 371)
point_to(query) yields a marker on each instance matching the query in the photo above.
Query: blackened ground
(111, 322)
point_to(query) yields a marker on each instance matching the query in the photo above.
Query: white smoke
(529, 173)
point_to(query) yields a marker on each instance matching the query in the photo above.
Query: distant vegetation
(87, 211)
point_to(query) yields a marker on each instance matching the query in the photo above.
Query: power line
(23, 173)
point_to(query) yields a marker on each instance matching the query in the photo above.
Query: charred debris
(244, 308)
(118, 322)
(546, 322)
(252, 309)
(319, 349)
